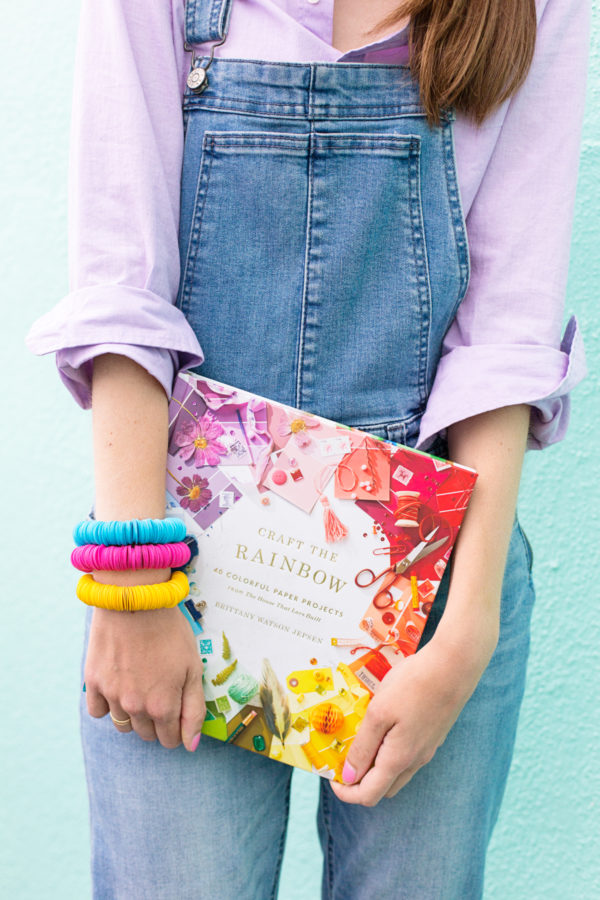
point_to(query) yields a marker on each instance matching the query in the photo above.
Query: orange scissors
(391, 575)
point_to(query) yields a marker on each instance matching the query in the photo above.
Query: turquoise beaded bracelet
(133, 531)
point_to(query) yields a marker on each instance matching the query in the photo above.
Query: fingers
(166, 722)
(372, 787)
(363, 750)
(167, 712)
(193, 709)
(129, 712)
(144, 726)
(120, 719)
(96, 703)
(155, 716)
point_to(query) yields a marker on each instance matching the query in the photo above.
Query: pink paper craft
(298, 429)
(302, 492)
(254, 417)
(277, 420)
(372, 454)
(244, 418)
(234, 438)
(379, 622)
(216, 395)
(426, 477)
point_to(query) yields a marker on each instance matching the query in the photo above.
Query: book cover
(320, 551)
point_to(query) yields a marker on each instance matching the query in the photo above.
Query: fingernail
(348, 773)
(195, 742)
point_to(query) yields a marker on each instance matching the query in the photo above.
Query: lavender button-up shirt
(517, 175)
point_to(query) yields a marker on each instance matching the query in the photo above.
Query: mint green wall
(546, 843)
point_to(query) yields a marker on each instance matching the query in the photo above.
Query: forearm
(130, 427)
(494, 444)
(144, 666)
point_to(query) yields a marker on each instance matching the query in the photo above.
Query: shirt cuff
(75, 366)
(115, 319)
(478, 378)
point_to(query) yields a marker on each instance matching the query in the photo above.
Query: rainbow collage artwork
(318, 550)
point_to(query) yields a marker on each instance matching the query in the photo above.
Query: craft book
(320, 551)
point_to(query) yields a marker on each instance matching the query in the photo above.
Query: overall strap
(206, 20)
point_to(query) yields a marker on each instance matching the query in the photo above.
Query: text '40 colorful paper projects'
(320, 551)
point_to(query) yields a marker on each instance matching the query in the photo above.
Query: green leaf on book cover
(226, 647)
(224, 674)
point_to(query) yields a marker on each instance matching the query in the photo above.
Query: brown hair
(470, 54)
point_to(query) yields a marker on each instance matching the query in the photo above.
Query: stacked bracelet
(130, 545)
(98, 557)
(133, 597)
(134, 531)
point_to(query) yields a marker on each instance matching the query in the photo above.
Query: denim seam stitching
(294, 114)
(305, 65)
(424, 367)
(397, 423)
(190, 22)
(352, 140)
(325, 108)
(217, 16)
(303, 310)
(254, 138)
(457, 231)
(458, 218)
(416, 230)
(194, 240)
(528, 551)
(216, 22)
(282, 839)
(329, 848)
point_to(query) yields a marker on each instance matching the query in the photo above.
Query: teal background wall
(546, 844)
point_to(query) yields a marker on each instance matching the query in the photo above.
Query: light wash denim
(211, 825)
(324, 255)
(324, 250)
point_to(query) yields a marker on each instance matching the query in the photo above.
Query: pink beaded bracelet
(116, 558)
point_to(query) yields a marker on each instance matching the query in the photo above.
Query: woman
(308, 223)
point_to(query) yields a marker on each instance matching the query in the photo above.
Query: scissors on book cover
(383, 598)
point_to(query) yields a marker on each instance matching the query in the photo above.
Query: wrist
(142, 617)
(131, 576)
(469, 642)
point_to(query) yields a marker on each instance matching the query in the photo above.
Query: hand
(409, 717)
(145, 665)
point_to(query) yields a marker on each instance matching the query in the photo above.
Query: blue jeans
(174, 825)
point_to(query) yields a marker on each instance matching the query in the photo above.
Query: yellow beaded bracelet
(135, 596)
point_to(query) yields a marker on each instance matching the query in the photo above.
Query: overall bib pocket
(305, 268)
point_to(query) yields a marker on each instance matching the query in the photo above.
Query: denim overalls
(323, 246)
(323, 257)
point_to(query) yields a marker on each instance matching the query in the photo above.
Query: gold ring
(119, 721)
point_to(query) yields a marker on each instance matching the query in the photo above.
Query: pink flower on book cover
(298, 426)
(194, 492)
(198, 441)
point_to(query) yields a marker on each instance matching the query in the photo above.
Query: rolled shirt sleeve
(126, 148)
(505, 346)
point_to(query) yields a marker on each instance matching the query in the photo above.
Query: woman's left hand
(409, 717)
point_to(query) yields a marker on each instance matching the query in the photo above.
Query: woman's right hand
(145, 665)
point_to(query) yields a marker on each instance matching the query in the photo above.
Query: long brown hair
(470, 54)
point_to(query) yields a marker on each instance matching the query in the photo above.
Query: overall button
(313, 1)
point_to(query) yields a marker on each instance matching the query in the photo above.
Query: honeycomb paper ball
(326, 718)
